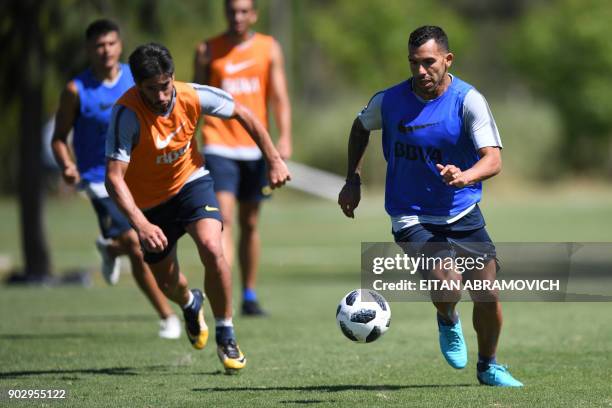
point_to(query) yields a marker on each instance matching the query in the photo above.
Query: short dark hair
(100, 27)
(227, 4)
(150, 60)
(423, 34)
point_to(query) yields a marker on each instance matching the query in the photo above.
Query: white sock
(189, 302)
(223, 322)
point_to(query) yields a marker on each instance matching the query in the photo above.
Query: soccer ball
(363, 315)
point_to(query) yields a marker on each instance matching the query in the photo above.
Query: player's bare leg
(227, 204)
(175, 286)
(206, 233)
(170, 280)
(452, 343)
(445, 301)
(487, 320)
(487, 314)
(142, 273)
(128, 244)
(249, 253)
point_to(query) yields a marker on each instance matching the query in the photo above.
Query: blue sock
(484, 362)
(249, 295)
(445, 322)
(224, 333)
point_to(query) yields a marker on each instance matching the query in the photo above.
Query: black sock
(444, 321)
(484, 362)
(224, 333)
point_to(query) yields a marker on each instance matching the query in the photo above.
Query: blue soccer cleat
(452, 344)
(498, 376)
(196, 328)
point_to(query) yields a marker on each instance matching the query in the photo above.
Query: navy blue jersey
(95, 102)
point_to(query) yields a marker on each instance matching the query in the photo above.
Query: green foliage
(339, 52)
(563, 50)
(366, 41)
(530, 134)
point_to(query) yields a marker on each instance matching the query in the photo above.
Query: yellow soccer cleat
(197, 330)
(231, 357)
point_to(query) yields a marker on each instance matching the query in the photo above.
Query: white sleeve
(214, 101)
(479, 122)
(371, 115)
(123, 133)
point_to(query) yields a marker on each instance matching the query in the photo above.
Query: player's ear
(448, 59)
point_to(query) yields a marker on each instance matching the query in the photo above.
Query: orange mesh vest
(166, 153)
(243, 71)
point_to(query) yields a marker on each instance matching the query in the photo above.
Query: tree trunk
(31, 195)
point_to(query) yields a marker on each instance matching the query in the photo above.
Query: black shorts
(467, 238)
(246, 179)
(111, 220)
(196, 200)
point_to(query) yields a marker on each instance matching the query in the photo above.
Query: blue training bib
(417, 135)
(95, 102)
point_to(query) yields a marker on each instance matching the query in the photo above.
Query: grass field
(100, 343)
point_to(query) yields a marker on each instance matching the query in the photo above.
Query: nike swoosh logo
(162, 144)
(409, 129)
(105, 106)
(210, 209)
(233, 68)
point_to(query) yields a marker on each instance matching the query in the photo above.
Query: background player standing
(249, 66)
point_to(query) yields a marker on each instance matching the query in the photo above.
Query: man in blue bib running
(440, 142)
(85, 106)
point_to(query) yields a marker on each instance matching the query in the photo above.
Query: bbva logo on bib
(171, 157)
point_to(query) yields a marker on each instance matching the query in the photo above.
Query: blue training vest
(418, 135)
(95, 103)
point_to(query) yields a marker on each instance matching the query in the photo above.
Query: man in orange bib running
(156, 176)
(249, 66)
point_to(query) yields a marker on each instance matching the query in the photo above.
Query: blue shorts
(466, 237)
(111, 220)
(196, 200)
(246, 179)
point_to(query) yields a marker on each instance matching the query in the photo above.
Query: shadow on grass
(47, 336)
(334, 388)
(118, 318)
(119, 371)
(112, 371)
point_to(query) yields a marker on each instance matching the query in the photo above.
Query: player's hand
(152, 238)
(278, 173)
(283, 145)
(71, 175)
(349, 198)
(453, 176)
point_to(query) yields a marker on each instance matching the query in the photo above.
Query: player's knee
(228, 221)
(130, 243)
(211, 248)
(168, 284)
(248, 223)
(487, 302)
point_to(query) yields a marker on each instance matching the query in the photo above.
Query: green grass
(100, 343)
